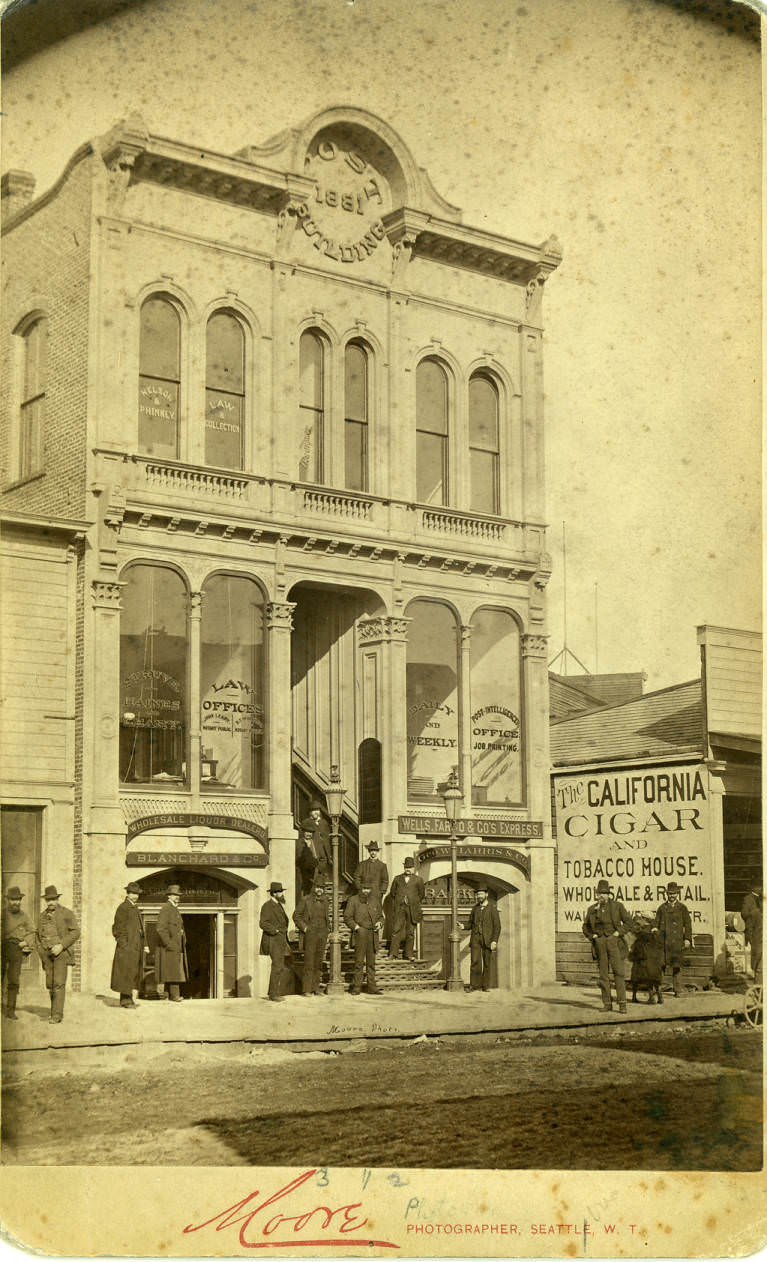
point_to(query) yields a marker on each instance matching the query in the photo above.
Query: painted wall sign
(439, 826)
(189, 819)
(193, 858)
(638, 830)
(502, 854)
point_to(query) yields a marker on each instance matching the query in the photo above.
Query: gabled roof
(661, 724)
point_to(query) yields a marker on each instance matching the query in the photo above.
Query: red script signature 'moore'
(280, 1230)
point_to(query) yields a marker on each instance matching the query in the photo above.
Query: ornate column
(464, 715)
(194, 668)
(104, 830)
(541, 938)
(282, 834)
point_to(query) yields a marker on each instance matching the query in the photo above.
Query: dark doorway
(200, 953)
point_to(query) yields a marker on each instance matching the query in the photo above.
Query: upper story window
(159, 379)
(484, 444)
(224, 392)
(431, 453)
(34, 339)
(356, 409)
(153, 676)
(311, 407)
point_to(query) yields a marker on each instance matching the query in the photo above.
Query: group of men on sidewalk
(53, 938)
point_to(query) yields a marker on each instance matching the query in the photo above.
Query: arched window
(232, 685)
(484, 444)
(431, 405)
(34, 338)
(224, 391)
(497, 737)
(159, 379)
(153, 676)
(356, 406)
(312, 407)
(432, 698)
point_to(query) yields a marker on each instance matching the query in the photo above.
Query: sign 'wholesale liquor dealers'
(638, 830)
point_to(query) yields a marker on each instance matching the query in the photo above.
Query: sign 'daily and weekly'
(638, 830)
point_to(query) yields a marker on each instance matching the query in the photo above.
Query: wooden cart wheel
(752, 1005)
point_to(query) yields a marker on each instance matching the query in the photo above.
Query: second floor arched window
(484, 444)
(356, 408)
(159, 379)
(224, 392)
(34, 372)
(311, 436)
(431, 453)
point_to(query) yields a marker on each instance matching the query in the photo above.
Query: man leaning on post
(606, 924)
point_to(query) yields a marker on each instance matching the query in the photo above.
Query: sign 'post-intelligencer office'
(638, 830)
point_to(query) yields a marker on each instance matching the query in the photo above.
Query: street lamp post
(334, 796)
(452, 797)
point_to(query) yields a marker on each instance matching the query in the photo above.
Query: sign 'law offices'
(638, 830)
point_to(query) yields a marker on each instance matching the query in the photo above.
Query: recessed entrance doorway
(209, 910)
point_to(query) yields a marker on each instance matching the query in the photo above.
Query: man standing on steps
(364, 917)
(483, 940)
(321, 848)
(57, 932)
(312, 915)
(373, 871)
(274, 939)
(18, 938)
(407, 893)
(606, 925)
(171, 953)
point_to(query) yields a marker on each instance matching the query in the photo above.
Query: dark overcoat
(128, 932)
(374, 872)
(673, 922)
(274, 928)
(171, 950)
(410, 892)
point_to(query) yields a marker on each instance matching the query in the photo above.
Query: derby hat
(673, 888)
(51, 892)
(173, 889)
(276, 887)
(133, 888)
(14, 892)
(409, 863)
(373, 845)
(603, 887)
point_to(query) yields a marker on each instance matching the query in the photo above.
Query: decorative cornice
(472, 248)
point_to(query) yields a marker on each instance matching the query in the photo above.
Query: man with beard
(130, 945)
(312, 916)
(57, 932)
(274, 939)
(483, 939)
(606, 925)
(407, 893)
(364, 917)
(18, 937)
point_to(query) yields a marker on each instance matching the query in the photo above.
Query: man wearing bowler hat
(407, 891)
(364, 917)
(274, 939)
(606, 925)
(312, 915)
(373, 871)
(483, 941)
(57, 932)
(128, 932)
(172, 967)
(18, 939)
(672, 920)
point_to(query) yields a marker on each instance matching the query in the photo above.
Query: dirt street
(680, 1098)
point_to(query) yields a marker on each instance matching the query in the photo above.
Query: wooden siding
(733, 674)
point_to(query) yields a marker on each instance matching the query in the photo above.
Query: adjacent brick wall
(46, 257)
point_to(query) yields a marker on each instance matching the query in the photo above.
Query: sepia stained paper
(632, 132)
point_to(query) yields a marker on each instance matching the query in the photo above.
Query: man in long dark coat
(274, 939)
(322, 850)
(130, 939)
(674, 925)
(606, 925)
(483, 940)
(363, 915)
(57, 932)
(171, 951)
(312, 915)
(407, 891)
